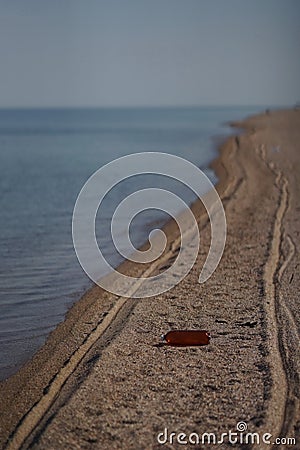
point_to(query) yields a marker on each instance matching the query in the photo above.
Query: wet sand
(102, 380)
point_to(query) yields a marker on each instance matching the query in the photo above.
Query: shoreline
(55, 343)
(221, 139)
(15, 356)
(38, 376)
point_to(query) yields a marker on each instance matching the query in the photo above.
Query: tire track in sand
(276, 409)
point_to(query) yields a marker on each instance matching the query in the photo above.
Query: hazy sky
(149, 52)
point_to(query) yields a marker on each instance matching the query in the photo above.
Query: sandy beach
(104, 380)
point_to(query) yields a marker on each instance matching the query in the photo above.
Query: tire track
(276, 409)
(282, 302)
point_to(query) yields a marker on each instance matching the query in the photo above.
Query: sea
(46, 156)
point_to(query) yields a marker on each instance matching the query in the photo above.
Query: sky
(98, 53)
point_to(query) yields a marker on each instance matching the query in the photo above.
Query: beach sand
(103, 379)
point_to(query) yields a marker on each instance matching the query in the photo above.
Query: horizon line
(183, 106)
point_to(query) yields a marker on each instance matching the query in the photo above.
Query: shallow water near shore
(45, 158)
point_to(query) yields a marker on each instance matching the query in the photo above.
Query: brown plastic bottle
(185, 338)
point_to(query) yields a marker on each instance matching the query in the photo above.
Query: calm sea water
(45, 158)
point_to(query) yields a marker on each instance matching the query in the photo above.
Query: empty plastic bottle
(185, 338)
